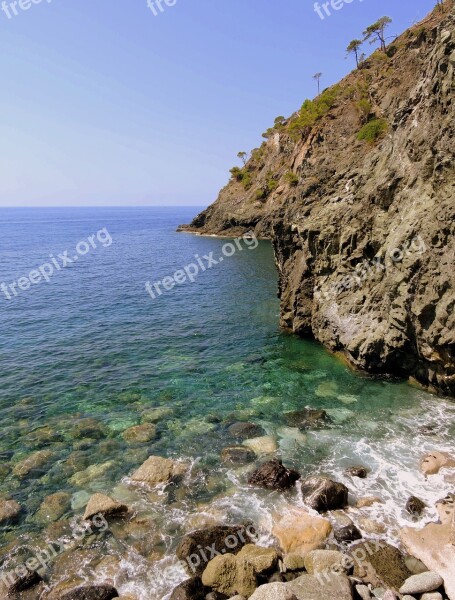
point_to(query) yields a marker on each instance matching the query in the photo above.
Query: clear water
(92, 343)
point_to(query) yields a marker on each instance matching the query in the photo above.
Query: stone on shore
(358, 471)
(221, 539)
(100, 504)
(431, 596)
(191, 589)
(347, 534)
(363, 591)
(323, 494)
(156, 470)
(329, 587)
(293, 562)
(432, 463)
(380, 564)
(433, 545)
(67, 591)
(9, 511)
(323, 561)
(14, 586)
(261, 559)
(273, 591)
(300, 533)
(273, 475)
(420, 584)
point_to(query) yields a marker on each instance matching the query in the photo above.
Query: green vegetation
(243, 157)
(243, 176)
(373, 130)
(312, 111)
(291, 178)
(364, 107)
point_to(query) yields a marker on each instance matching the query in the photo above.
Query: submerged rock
(140, 433)
(89, 428)
(358, 471)
(308, 418)
(323, 494)
(53, 507)
(237, 455)
(66, 591)
(34, 462)
(9, 511)
(245, 431)
(274, 476)
(262, 445)
(156, 470)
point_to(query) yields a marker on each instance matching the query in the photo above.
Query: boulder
(104, 505)
(140, 434)
(220, 574)
(363, 592)
(156, 470)
(237, 455)
(293, 562)
(191, 589)
(53, 507)
(9, 511)
(358, 471)
(262, 445)
(446, 509)
(196, 548)
(34, 462)
(347, 534)
(368, 501)
(89, 428)
(433, 545)
(263, 560)
(92, 473)
(380, 564)
(12, 586)
(415, 506)
(323, 494)
(273, 475)
(300, 533)
(83, 592)
(244, 431)
(153, 415)
(431, 596)
(322, 561)
(273, 591)
(308, 418)
(327, 587)
(419, 584)
(245, 577)
(432, 463)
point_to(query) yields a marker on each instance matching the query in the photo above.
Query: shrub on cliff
(312, 111)
(373, 130)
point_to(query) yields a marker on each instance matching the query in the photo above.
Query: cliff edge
(356, 191)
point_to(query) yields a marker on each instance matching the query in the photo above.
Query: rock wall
(363, 232)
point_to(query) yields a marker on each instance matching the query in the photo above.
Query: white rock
(419, 584)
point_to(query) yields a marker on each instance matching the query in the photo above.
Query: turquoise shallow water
(92, 344)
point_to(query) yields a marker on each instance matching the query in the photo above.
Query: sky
(118, 103)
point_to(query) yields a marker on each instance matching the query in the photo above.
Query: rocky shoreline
(312, 550)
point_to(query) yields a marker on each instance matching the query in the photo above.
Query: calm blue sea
(91, 343)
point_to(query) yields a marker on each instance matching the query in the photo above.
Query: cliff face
(363, 230)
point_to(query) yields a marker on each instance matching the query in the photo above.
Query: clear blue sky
(101, 102)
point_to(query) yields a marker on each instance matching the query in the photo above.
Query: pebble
(363, 591)
(420, 584)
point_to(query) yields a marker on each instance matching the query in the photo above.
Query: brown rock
(140, 433)
(323, 494)
(299, 532)
(104, 505)
(33, 463)
(156, 470)
(274, 476)
(9, 511)
(432, 463)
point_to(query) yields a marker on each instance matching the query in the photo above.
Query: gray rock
(431, 596)
(419, 584)
(274, 591)
(9, 511)
(363, 591)
(408, 598)
(326, 586)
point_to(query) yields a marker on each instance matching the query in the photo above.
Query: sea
(110, 319)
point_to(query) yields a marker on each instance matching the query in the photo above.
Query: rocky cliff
(357, 192)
